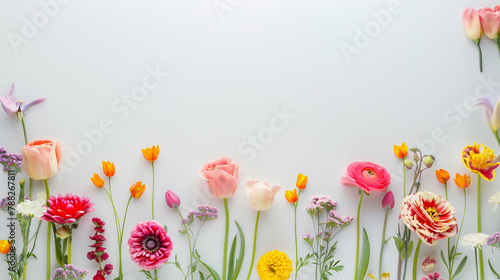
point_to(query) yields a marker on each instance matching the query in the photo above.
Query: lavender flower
(10, 162)
(69, 272)
(319, 204)
(494, 240)
(204, 213)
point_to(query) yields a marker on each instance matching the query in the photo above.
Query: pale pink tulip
(490, 22)
(472, 24)
(261, 195)
(41, 159)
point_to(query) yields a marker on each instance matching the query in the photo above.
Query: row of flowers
(430, 216)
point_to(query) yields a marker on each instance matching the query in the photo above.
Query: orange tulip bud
(108, 168)
(98, 182)
(462, 182)
(137, 189)
(151, 154)
(400, 151)
(301, 181)
(291, 196)
(442, 175)
(5, 246)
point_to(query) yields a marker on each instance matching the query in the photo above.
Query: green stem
(480, 55)
(357, 236)
(120, 239)
(496, 132)
(189, 242)
(70, 241)
(475, 253)
(382, 244)
(254, 244)
(153, 196)
(415, 259)
(481, 266)
(404, 178)
(459, 232)
(295, 225)
(49, 224)
(226, 235)
(25, 249)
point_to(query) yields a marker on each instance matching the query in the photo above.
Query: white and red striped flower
(430, 216)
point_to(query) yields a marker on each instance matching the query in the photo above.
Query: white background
(412, 78)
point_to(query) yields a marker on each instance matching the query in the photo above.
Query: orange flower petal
(98, 182)
(301, 181)
(108, 168)
(137, 189)
(151, 154)
(291, 196)
(442, 175)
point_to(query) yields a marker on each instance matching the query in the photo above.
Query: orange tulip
(108, 168)
(462, 182)
(151, 154)
(98, 182)
(400, 151)
(301, 181)
(291, 196)
(137, 189)
(443, 176)
(5, 246)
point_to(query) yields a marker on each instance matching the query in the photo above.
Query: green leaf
(399, 245)
(239, 260)
(212, 271)
(410, 249)
(493, 270)
(57, 243)
(165, 228)
(365, 256)
(460, 267)
(231, 259)
(444, 260)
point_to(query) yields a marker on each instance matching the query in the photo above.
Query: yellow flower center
(433, 213)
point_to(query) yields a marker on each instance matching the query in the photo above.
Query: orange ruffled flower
(98, 182)
(137, 189)
(443, 176)
(291, 196)
(108, 168)
(400, 151)
(462, 182)
(151, 154)
(5, 246)
(480, 161)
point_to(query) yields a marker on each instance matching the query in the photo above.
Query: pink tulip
(41, 159)
(221, 176)
(261, 195)
(172, 199)
(472, 24)
(388, 200)
(490, 22)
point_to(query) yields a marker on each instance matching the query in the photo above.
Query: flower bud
(416, 157)
(408, 163)
(63, 233)
(172, 199)
(388, 200)
(428, 161)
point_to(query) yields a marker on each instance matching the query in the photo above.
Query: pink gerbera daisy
(149, 245)
(67, 209)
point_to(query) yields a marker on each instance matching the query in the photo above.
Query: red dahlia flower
(68, 209)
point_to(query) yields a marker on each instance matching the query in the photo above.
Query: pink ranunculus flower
(221, 176)
(430, 216)
(367, 176)
(41, 159)
(472, 24)
(149, 245)
(261, 195)
(68, 209)
(490, 22)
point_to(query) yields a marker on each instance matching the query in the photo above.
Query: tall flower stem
(70, 242)
(496, 132)
(480, 55)
(357, 236)
(475, 253)
(295, 225)
(254, 244)
(153, 196)
(404, 179)
(481, 266)
(118, 227)
(382, 244)
(49, 225)
(26, 143)
(189, 242)
(226, 235)
(415, 259)
(25, 249)
(120, 239)
(459, 232)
